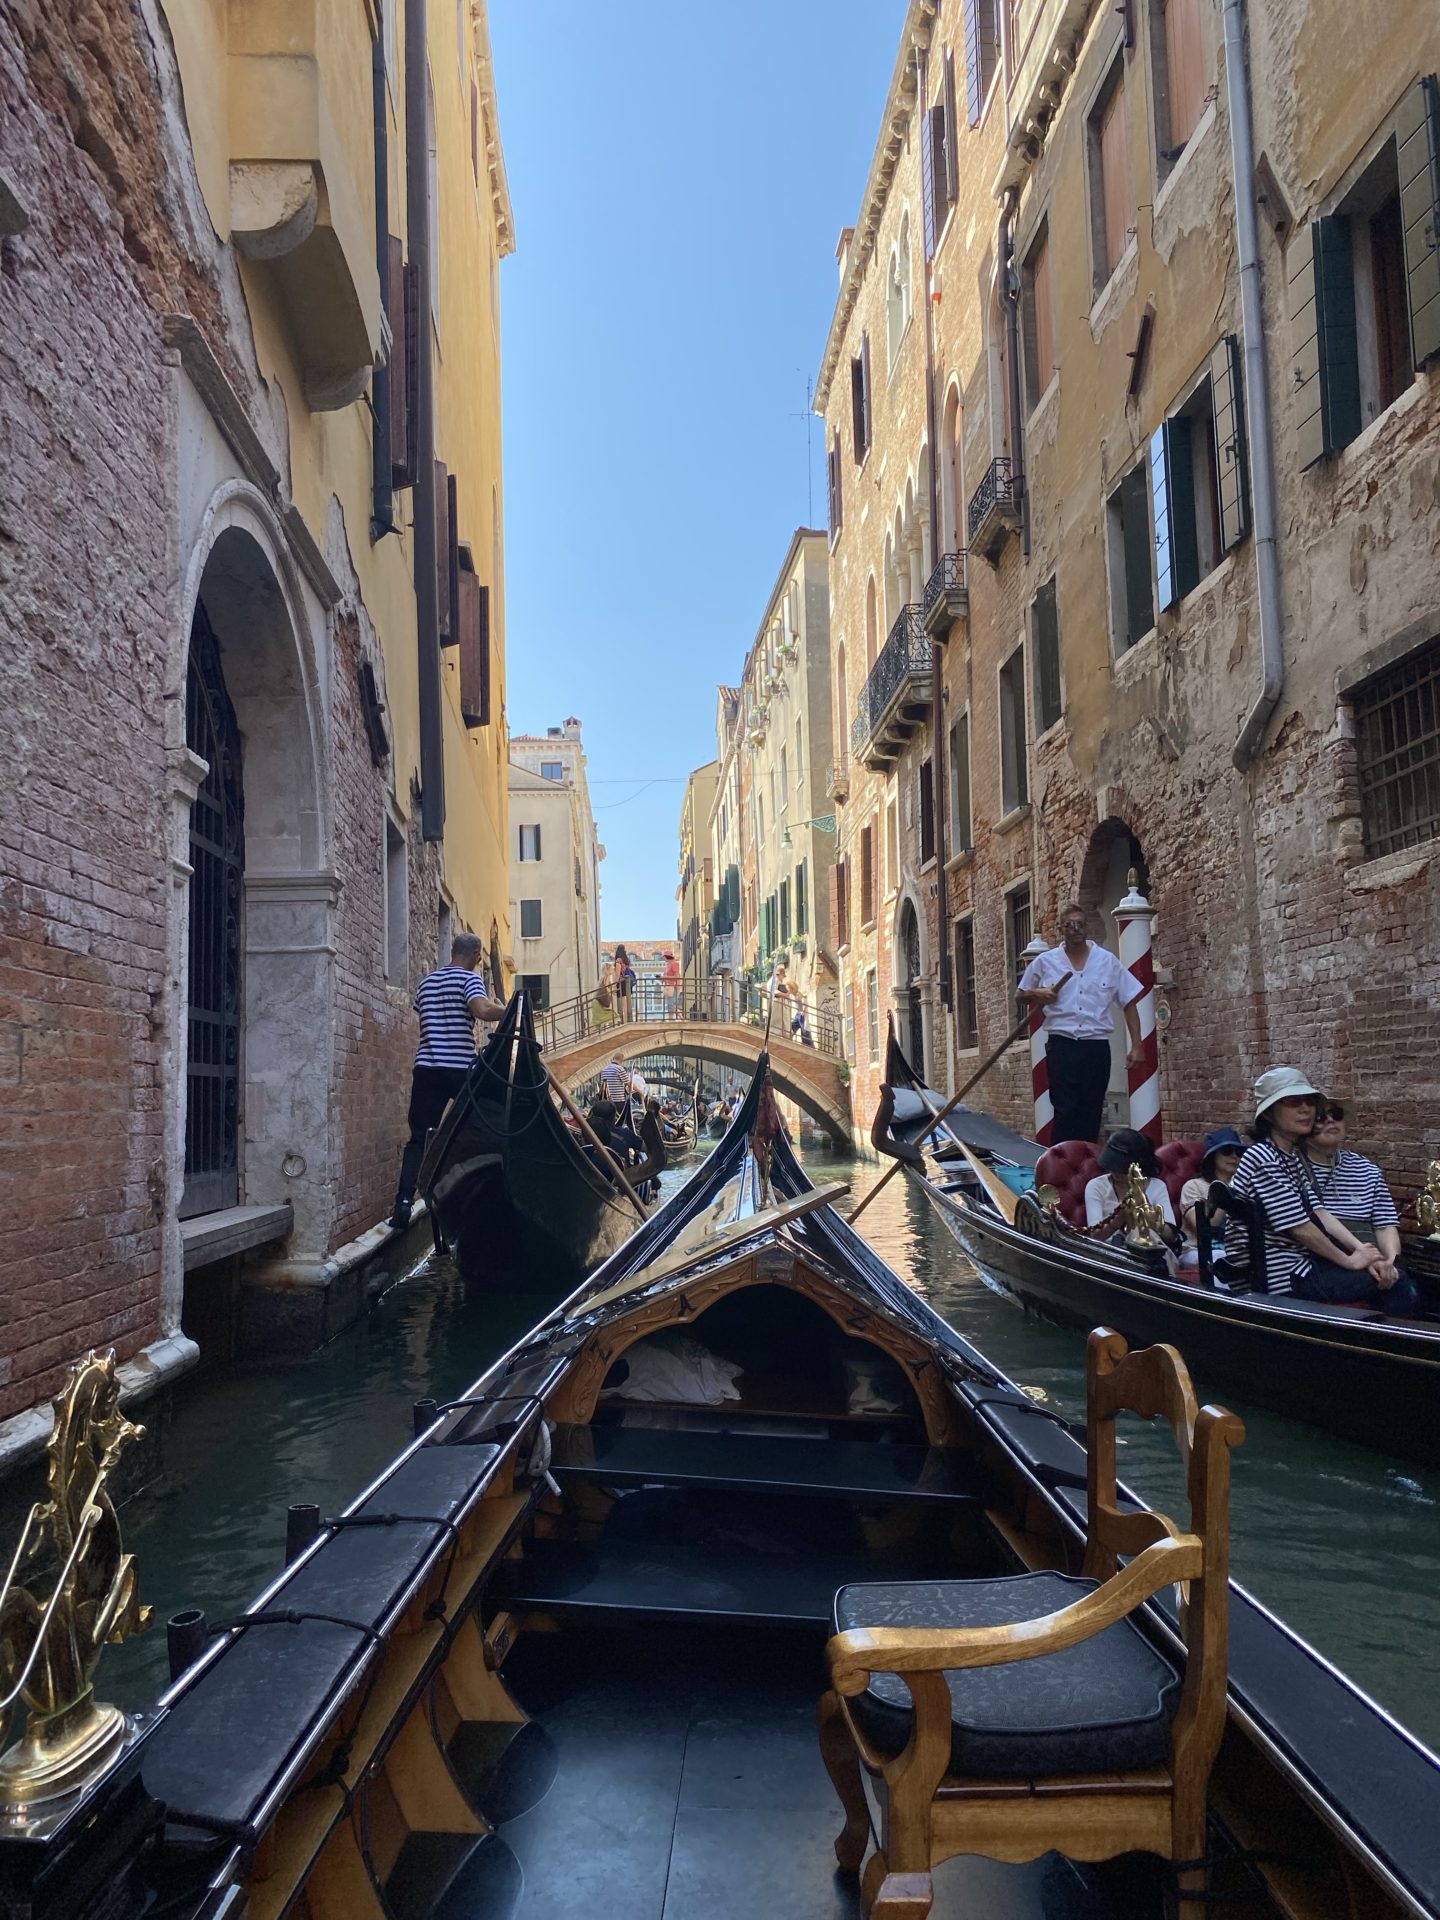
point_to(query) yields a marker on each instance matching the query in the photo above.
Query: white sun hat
(1281, 1083)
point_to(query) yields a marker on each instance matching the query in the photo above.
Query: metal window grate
(1397, 729)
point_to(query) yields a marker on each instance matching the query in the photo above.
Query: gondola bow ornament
(49, 1648)
(765, 1132)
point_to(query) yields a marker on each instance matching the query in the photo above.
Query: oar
(950, 1105)
(595, 1141)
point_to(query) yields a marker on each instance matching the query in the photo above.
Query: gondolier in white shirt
(448, 1001)
(1079, 1020)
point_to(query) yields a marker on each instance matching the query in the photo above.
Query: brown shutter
(452, 558)
(474, 691)
(1231, 489)
(442, 553)
(395, 313)
(1417, 141)
(412, 373)
(1115, 174)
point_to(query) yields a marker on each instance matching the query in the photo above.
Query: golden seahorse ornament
(1141, 1215)
(49, 1648)
(1427, 1207)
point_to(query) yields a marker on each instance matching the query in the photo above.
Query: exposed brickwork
(83, 856)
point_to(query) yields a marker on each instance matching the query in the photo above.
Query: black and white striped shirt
(1354, 1190)
(443, 1001)
(1275, 1183)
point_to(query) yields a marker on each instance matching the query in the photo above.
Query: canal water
(1339, 1541)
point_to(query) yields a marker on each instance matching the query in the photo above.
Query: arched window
(897, 298)
(952, 479)
(872, 626)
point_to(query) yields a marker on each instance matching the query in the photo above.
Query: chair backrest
(1150, 1382)
(1069, 1168)
(1179, 1161)
(1224, 1199)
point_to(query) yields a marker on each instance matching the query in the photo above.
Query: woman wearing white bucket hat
(1300, 1255)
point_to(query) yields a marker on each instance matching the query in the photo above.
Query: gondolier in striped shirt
(448, 1001)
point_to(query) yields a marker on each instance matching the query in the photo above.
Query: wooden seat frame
(928, 1814)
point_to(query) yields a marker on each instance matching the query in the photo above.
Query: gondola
(1345, 1368)
(509, 1184)
(564, 1654)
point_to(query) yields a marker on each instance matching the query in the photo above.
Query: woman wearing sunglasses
(1353, 1193)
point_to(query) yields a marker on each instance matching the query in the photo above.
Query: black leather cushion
(1054, 1456)
(1103, 1706)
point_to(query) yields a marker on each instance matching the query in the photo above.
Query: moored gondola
(566, 1651)
(1349, 1369)
(513, 1188)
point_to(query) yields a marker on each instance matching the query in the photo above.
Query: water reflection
(1337, 1541)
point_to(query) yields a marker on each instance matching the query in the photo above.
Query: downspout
(427, 610)
(382, 507)
(1009, 291)
(1257, 398)
(937, 691)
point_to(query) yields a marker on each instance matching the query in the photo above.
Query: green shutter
(1326, 357)
(1231, 489)
(1417, 141)
(1160, 498)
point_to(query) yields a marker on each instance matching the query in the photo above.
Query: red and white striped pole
(1133, 918)
(1039, 1069)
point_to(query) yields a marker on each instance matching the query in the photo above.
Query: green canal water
(1339, 1541)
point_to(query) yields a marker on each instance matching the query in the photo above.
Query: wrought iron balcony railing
(994, 506)
(899, 678)
(947, 595)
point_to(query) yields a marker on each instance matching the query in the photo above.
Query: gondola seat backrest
(1074, 1163)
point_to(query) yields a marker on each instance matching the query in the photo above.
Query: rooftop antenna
(809, 418)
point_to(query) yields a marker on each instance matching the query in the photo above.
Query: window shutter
(974, 82)
(865, 388)
(1417, 141)
(802, 901)
(833, 467)
(857, 407)
(484, 704)
(396, 313)
(952, 132)
(839, 929)
(1160, 498)
(474, 703)
(1231, 477)
(411, 384)
(452, 559)
(442, 553)
(1323, 347)
(928, 139)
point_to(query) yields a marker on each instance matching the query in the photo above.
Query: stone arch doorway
(1113, 851)
(253, 669)
(911, 1003)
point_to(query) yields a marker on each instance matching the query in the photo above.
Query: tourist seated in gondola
(1354, 1200)
(1305, 1249)
(1223, 1148)
(1103, 1195)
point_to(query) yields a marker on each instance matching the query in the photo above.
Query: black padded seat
(1052, 1454)
(1104, 1706)
(226, 1739)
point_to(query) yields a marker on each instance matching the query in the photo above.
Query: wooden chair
(1008, 1717)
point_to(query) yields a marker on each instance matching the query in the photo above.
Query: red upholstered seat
(1074, 1163)
(1068, 1168)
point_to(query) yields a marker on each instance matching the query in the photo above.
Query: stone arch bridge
(806, 1075)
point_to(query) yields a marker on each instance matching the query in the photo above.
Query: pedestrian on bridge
(449, 1001)
(624, 986)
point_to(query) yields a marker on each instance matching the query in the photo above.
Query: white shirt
(1101, 1199)
(1083, 1009)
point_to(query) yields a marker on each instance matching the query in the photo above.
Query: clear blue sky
(680, 175)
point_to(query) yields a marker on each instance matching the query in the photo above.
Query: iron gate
(217, 857)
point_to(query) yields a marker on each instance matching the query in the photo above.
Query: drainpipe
(1010, 301)
(937, 707)
(1257, 398)
(382, 508)
(427, 610)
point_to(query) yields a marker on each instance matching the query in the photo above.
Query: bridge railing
(796, 1022)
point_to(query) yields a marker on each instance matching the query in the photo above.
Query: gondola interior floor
(672, 1772)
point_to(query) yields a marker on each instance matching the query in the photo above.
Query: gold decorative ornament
(1427, 1206)
(49, 1648)
(1141, 1216)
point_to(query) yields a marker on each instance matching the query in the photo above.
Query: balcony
(898, 694)
(947, 595)
(994, 511)
(837, 780)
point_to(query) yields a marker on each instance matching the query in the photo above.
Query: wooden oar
(595, 1141)
(950, 1105)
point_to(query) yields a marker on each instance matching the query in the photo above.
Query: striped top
(1354, 1190)
(443, 1001)
(1276, 1183)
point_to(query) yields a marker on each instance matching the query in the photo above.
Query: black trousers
(431, 1091)
(1079, 1079)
